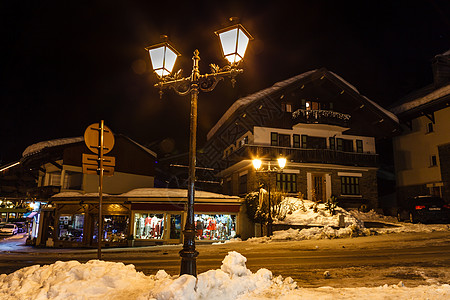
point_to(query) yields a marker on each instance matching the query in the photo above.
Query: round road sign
(92, 138)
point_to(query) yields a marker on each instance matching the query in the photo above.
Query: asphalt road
(413, 258)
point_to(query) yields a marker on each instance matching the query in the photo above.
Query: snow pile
(407, 227)
(302, 212)
(324, 223)
(372, 216)
(107, 280)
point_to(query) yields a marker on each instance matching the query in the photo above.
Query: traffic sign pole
(100, 192)
(100, 140)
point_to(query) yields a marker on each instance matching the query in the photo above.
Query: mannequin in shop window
(155, 227)
(148, 226)
(199, 228)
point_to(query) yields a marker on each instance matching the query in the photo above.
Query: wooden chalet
(323, 126)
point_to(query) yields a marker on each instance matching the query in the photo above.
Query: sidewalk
(16, 244)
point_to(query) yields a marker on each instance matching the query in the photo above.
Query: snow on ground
(108, 280)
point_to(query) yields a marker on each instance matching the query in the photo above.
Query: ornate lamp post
(234, 41)
(257, 164)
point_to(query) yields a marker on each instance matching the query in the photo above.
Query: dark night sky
(67, 64)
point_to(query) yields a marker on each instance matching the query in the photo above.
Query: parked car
(20, 227)
(425, 209)
(9, 229)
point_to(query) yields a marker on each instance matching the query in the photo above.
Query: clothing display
(148, 226)
(215, 227)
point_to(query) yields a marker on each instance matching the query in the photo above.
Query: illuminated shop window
(175, 227)
(70, 227)
(215, 227)
(149, 226)
(115, 228)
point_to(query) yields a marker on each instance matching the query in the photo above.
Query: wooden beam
(430, 117)
(56, 165)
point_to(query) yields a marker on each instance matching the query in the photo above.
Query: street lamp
(234, 41)
(257, 164)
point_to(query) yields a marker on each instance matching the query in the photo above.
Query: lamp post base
(188, 254)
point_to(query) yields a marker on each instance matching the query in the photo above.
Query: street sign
(91, 164)
(92, 138)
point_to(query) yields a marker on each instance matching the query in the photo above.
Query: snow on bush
(324, 224)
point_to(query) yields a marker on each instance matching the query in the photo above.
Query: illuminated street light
(234, 41)
(163, 56)
(257, 163)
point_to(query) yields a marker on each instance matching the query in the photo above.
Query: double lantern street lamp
(234, 40)
(257, 164)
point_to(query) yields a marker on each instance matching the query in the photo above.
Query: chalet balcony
(311, 116)
(323, 156)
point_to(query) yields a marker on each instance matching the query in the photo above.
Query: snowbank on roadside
(108, 280)
(302, 212)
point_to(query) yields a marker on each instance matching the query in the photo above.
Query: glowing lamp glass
(163, 57)
(234, 41)
(282, 162)
(257, 164)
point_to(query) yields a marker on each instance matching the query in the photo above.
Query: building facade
(320, 123)
(58, 168)
(147, 216)
(422, 150)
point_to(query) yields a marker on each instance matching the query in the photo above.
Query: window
(243, 184)
(312, 105)
(340, 144)
(315, 142)
(54, 179)
(244, 141)
(433, 161)
(359, 146)
(215, 227)
(287, 107)
(350, 185)
(430, 127)
(274, 139)
(148, 226)
(175, 227)
(115, 228)
(287, 182)
(344, 145)
(304, 141)
(332, 141)
(72, 180)
(70, 227)
(296, 140)
(284, 140)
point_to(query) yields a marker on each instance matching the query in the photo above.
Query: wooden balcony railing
(323, 156)
(321, 117)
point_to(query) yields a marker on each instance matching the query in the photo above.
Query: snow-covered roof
(436, 94)
(279, 85)
(38, 147)
(253, 97)
(150, 193)
(388, 113)
(445, 53)
(171, 193)
(142, 147)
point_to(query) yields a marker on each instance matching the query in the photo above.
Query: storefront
(144, 217)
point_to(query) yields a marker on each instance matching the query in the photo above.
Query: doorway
(318, 181)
